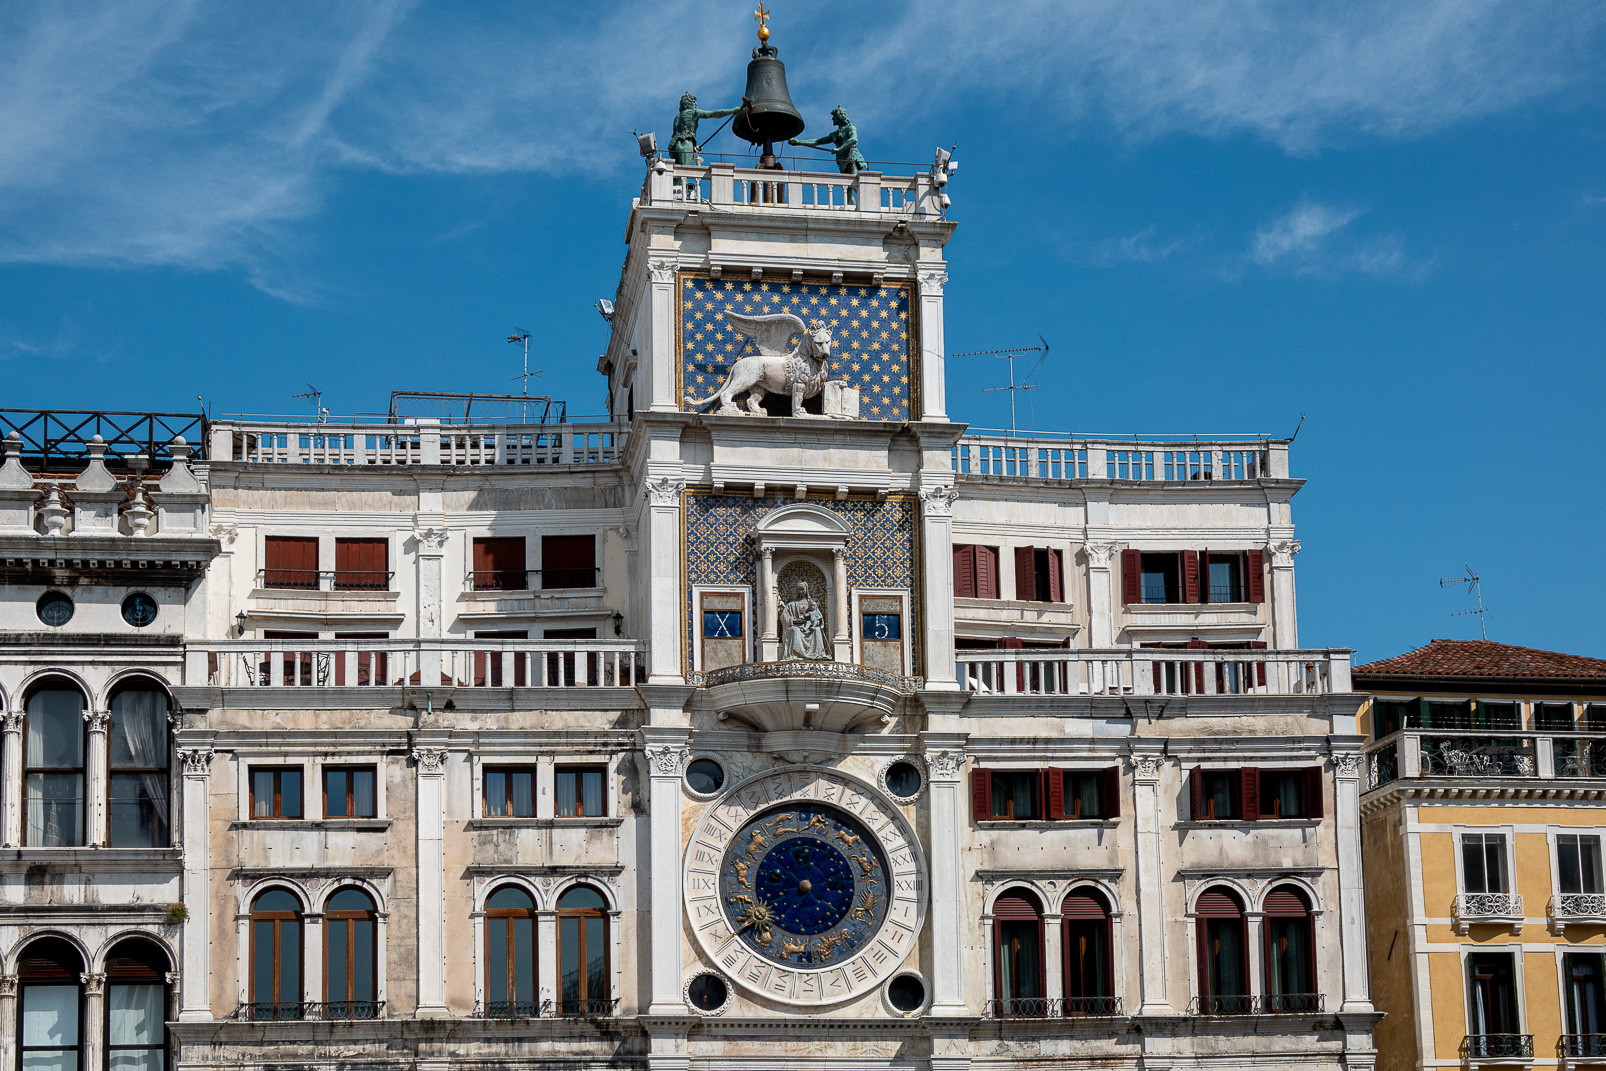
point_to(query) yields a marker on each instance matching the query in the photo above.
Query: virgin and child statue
(803, 628)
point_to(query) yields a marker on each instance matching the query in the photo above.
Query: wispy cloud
(15, 344)
(1144, 247)
(197, 134)
(1313, 239)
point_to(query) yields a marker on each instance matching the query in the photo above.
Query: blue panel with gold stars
(871, 328)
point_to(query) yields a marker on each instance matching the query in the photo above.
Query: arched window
(1018, 954)
(138, 755)
(351, 956)
(50, 1010)
(55, 767)
(510, 953)
(583, 987)
(1223, 954)
(276, 956)
(136, 1007)
(1290, 951)
(1089, 978)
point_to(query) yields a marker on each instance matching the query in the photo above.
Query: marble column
(8, 1016)
(1100, 595)
(937, 539)
(945, 759)
(1053, 953)
(665, 607)
(1351, 895)
(92, 1031)
(195, 1002)
(839, 607)
(660, 340)
(546, 953)
(431, 763)
(933, 385)
(1146, 769)
(665, 748)
(95, 780)
(769, 632)
(1284, 615)
(431, 543)
(11, 780)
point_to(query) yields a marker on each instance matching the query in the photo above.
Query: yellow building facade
(1483, 820)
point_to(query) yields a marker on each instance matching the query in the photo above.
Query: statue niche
(802, 602)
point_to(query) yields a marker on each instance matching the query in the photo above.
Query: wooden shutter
(1284, 902)
(1054, 792)
(1204, 576)
(986, 572)
(964, 572)
(1110, 792)
(1084, 904)
(1196, 793)
(1131, 576)
(1313, 792)
(290, 562)
(981, 793)
(1249, 793)
(362, 563)
(1260, 667)
(1254, 581)
(1025, 574)
(1016, 907)
(499, 562)
(568, 561)
(1056, 577)
(1213, 904)
(1190, 576)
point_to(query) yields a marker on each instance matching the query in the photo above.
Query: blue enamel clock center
(804, 885)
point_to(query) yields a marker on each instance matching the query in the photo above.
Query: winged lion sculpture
(778, 367)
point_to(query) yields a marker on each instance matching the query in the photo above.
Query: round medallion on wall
(805, 886)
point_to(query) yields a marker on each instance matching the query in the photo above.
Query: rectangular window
(1087, 793)
(1483, 863)
(49, 1027)
(722, 624)
(1389, 716)
(1017, 794)
(135, 1035)
(137, 805)
(348, 792)
(362, 564)
(509, 792)
(883, 626)
(1578, 863)
(1161, 578)
(1487, 715)
(275, 792)
(1595, 718)
(975, 572)
(569, 561)
(499, 564)
(1038, 575)
(290, 562)
(1586, 1001)
(579, 790)
(1224, 577)
(1282, 793)
(1220, 795)
(1491, 998)
(1557, 717)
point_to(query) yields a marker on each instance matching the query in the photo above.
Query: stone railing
(395, 663)
(1487, 908)
(1040, 457)
(725, 185)
(1144, 671)
(755, 671)
(423, 443)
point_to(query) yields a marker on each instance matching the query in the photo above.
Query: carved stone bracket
(1282, 554)
(1099, 555)
(95, 721)
(431, 760)
(666, 759)
(197, 760)
(665, 491)
(945, 765)
(939, 500)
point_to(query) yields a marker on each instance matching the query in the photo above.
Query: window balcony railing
(1585, 908)
(1576, 1047)
(1025, 1008)
(1478, 756)
(1498, 1046)
(290, 1011)
(1266, 1004)
(547, 1009)
(1153, 671)
(324, 579)
(1092, 1006)
(1488, 908)
(400, 663)
(1578, 756)
(532, 579)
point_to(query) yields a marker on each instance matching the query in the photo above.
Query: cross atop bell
(767, 115)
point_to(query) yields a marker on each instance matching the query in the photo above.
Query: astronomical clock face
(805, 886)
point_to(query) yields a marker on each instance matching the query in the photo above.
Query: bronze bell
(768, 115)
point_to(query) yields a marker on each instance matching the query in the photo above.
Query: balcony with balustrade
(1153, 672)
(1487, 909)
(1040, 457)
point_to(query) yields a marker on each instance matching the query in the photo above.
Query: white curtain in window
(139, 739)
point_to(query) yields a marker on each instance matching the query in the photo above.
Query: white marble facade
(484, 748)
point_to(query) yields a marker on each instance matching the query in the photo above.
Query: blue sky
(1223, 214)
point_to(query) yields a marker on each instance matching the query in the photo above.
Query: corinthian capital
(666, 759)
(932, 282)
(197, 760)
(1099, 554)
(430, 540)
(430, 760)
(939, 500)
(661, 271)
(95, 720)
(665, 491)
(945, 765)
(1282, 553)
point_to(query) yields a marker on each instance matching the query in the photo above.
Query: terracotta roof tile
(1482, 658)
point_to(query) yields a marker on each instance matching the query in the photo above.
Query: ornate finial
(762, 16)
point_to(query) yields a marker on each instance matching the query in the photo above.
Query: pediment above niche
(800, 526)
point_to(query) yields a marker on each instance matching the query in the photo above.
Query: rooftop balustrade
(1481, 754)
(724, 185)
(1131, 671)
(1157, 459)
(261, 442)
(375, 663)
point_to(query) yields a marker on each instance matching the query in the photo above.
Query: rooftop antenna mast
(317, 401)
(521, 335)
(1010, 355)
(1474, 585)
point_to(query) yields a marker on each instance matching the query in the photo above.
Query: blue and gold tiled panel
(872, 329)
(717, 546)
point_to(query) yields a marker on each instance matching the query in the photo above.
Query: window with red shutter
(499, 564)
(362, 564)
(986, 572)
(1196, 807)
(1313, 792)
(1054, 792)
(1249, 783)
(1131, 576)
(569, 561)
(1190, 576)
(290, 562)
(964, 572)
(1026, 574)
(1111, 792)
(981, 794)
(1254, 574)
(1056, 576)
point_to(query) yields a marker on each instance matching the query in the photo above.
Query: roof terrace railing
(1157, 671)
(423, 443)
(1125, 460)
(720, 184)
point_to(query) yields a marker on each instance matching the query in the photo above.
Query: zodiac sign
(794, 948)
(848, 838)
(741, 898)
(759, 841)
(864, 912)
(817, 821)
(862, 861)
(741, 870)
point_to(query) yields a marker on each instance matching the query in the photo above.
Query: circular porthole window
(55, 608)
(139, 609)
(705, 777)
(906, 993)
(904, 779)
(707, 993)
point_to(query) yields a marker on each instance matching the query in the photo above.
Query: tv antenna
(1474, 585)
(317, 401)
(1010, 355)
(520, 335)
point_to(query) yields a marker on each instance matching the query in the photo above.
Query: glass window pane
(362, 792)
(290, 793)
(1494, 862)
(261, 793)
(55, 809)
(364, 984)
(495, 793)
(567, 804)
(50, 1015)
(56, 728)
(596, 960)
(591, 796)
(1589, 864)
(135, 1060)
(1472, 863)
(137, 736)
(569, 958)
(1567, 864)
(137, 809)
(335, 968)
(289, 961)
(582, 897)
(523, 794)
(262, 960)
(1225, 938)
(134, 1014)
(524, 959)
(496, 959)
(334, 793)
